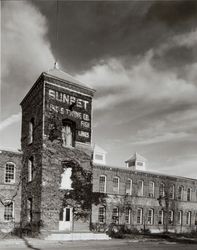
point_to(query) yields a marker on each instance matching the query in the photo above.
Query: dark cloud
(173, 12)
(174, 58)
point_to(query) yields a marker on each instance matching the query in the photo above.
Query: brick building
(65, 184)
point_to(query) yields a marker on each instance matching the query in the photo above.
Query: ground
(114, 244)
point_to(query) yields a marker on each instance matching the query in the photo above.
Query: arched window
(151, 189)
(127, 215)
(10, 173)
(116, 185)
(180, 217)
(129, 186)
(171, 217)
(139, 216)
(172, 188)
(140, 188)
(150, 216)
(68, 133)
(180, 193)
(189, 192)
(188, 218)
(31, 131)
(160, 219)
(162, 190)
(9, 211)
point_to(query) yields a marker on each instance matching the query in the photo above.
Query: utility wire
(56, 42)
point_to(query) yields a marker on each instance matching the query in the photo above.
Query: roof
(158, 174)
(98, 149)
(12, 150)
(136, 156)
(55, 72)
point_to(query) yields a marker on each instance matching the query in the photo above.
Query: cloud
(139, 82)
(25, 51)
(10, 120)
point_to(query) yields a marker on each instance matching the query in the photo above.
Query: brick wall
(10, 191)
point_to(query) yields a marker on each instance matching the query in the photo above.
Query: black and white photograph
(98, 124)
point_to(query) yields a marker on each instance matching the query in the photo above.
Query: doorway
(66, 219)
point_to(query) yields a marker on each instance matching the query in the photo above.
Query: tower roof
(57, 73)
(136, 156)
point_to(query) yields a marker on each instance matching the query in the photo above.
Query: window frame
(128, 216)
(130, 187)
(116, 189)
(188, 218)
(105, 184)
(31, 128)
(151, 216)
(190, 194)
(13, 214)
(116, 221)
(72, 125)
(102, 216)
(151, 194)
(14, 173)
(140, 222)
(161, 217)
(140, 192)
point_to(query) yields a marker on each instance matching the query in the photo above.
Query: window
(68, 135)
(66, 182)
(171, 194)
(150, 216)
(140, 186)
(189, 194)
(151, 189)
(115, 215)
(180, 193)
(29, 210)
(116, 185)
(99, 157)
(188, 218)
(139, 216)
(131, 163)
(101, 215)
(129, 187)
(102, 184)
(160, 219)
(127, 215)
(162, 190)
(139, 163)
(9, 172)
(180, 217)
(170, 217)
(31, 131)
(9, 211)
(30, 169)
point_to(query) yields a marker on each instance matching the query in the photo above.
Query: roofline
(63, 80)
(15, 151)
(142, 171)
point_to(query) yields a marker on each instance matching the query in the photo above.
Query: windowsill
(8, 221)
(9, 183)
(70, 147)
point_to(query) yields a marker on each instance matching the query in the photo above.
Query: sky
(140, 56)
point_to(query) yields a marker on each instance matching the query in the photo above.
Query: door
(65, 221)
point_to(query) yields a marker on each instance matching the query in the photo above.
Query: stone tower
(57, 155)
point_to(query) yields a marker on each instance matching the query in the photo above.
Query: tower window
(68, 133)
(31, 131)
(10, 172)
(30, 169)
(29, 210)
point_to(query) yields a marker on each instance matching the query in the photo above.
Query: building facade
(62, 182)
